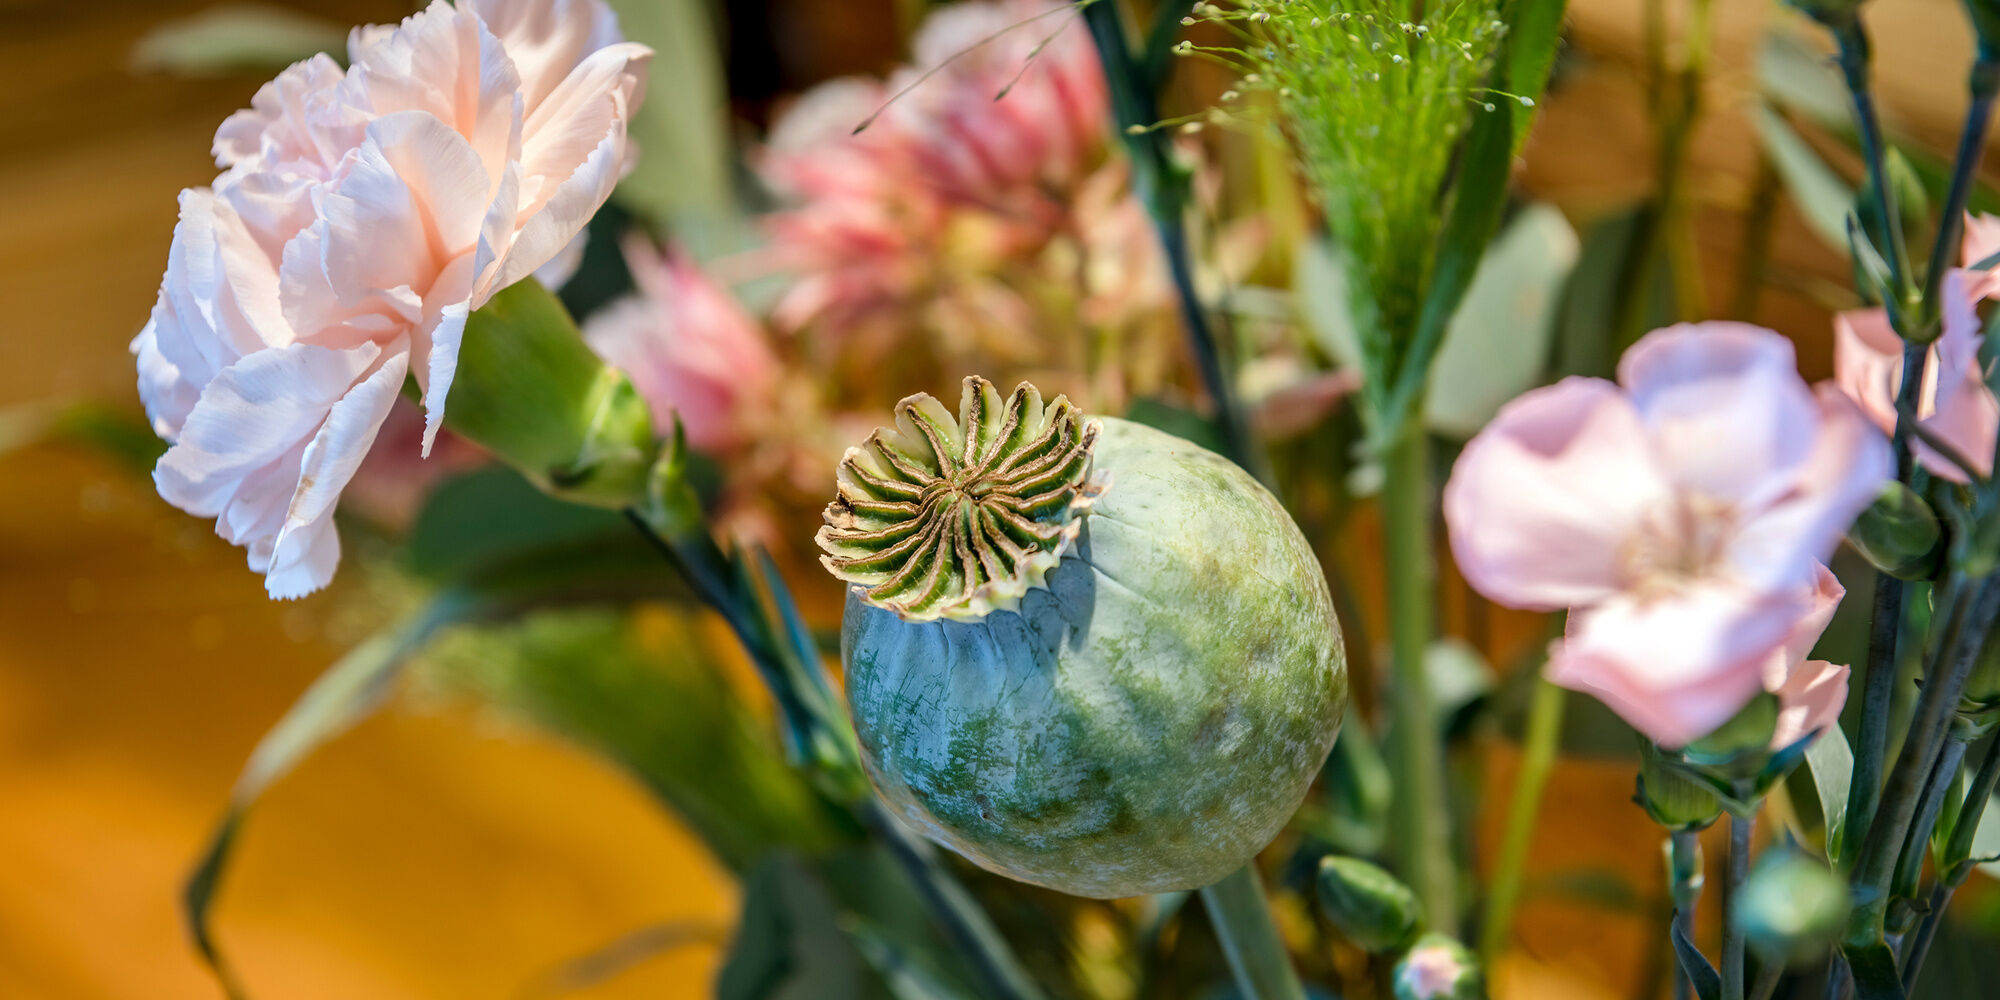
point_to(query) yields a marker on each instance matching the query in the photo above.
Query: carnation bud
(1674, 799)
(1792, 908)
(1742, 742)
(531, 392)
(1899, 534)
(1439, 968)
(1369, 906)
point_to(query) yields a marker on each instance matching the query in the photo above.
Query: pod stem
(1241, 917)
(1420, 817)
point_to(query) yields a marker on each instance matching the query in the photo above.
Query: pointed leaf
(1820, 194)
(1707, 982)
(1832, 764)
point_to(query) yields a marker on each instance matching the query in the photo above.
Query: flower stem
(1538, 756)
(1855, 58)
(1955, 867)
(1684, 865)
(1971, 146)
(1732, 929)
(1242, 921)
(1161, 185)
(1420, 818)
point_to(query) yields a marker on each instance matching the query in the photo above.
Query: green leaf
(908, 972)
(1832, 764)
(234, 38)
(1823, 198)
(348, 692)
(683, 179)
(1497, 346)
(1459, 677)
(1587, 322)
(118, 432)
(1534, 36)
(475, 524)
(601, 965)
(789, 945)
(1986, 840)
(1707, 982)
(1480, 195)
(1875, 973)
(1321, 285)
(1793, 74)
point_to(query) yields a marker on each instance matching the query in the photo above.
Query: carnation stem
(1955, 866)
(1855, 58)
(1538, 757)
(1732, 929)
(1241, 917)
(1971, 145)
(1684, 865)
(1420, 818)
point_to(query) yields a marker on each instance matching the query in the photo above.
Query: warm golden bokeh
(437, 855)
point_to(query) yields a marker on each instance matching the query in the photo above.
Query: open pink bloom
(1953, 401)
(1810, 692)
(1682, 513)
(361, 216)
(690, 349)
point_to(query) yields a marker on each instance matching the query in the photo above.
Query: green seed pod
(1369, 906)
(1439, 968)
(1792, 908)
(1081, 652)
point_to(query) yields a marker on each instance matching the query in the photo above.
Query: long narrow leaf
(346, 693)
(1707, 982)
(1832, 765)
(1534, 35)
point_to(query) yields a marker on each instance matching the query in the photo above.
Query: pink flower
(1953, 401)
(361, 216)
(1682, 513)
(977, 153)
(689, 348)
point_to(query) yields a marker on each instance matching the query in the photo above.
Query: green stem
(1161, 185)
(1420, 818)
(1732, 929)
(1955, 866)
(965, 922)
(1685, 867)
(1767, 981)
(1971, 146)
(1854, 59)
(1538, 756)
(1916, 845)
(1242, 921)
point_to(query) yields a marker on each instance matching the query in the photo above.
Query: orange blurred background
(432, 854)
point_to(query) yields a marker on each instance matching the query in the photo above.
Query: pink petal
(1542, 503)
(1868, 363)
(1810, 702)
(1699, 384)
(329, 461)
(1782, 544)
(547, 40)
(1680, 664)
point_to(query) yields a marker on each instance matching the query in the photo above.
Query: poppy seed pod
(1081, 652)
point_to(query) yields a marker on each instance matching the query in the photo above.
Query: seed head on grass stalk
(1374, 96)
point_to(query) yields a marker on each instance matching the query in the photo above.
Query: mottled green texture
(1148, 719)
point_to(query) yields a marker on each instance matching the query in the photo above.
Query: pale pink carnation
(1953, 401)
(689, 347)
(1682, 513)
(361, 216)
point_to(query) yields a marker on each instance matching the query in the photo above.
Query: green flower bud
(1673, 798)
(1081, 652)
(1741, 745)
(1369, 906)
(1899, 534)
(529, 391)
(1439, 968)
(1792, 908)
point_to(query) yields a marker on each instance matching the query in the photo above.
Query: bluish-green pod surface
(1146, 716)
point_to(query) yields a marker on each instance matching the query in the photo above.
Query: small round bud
(1439, 968)
(1899, 534)
(1744, 740)
(1792, 908)
(1369, 906)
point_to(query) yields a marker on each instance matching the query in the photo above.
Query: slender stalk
(1162, 186)
(1758, 232)
(1685, 867)
(1956, 869)
(1971, 145)
(1538, 756)
(1242, 921)
(1768, 975)
(1910, 868)
(1732, 929)
(1854, 59)
(1420, 817)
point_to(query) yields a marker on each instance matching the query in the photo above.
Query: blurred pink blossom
(361, 216)
(1682, 514)
(689, 347)
(1953, 401)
